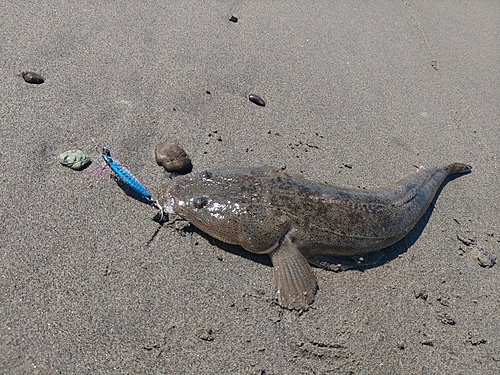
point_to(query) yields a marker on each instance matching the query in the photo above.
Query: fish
(296, 221)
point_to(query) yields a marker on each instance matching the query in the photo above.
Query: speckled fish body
(294, 220)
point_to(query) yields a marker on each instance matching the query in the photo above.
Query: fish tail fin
(458, 168)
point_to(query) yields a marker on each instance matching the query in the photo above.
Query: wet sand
(356, 95)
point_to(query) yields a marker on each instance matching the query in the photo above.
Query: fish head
(211, 201)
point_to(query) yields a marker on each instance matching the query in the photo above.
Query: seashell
(34, 78)
(74, 159)
(257, 100)
(172, 157)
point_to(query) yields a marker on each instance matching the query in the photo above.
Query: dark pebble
(34, 78)
(172, 157)
(233, 19)
(257, 100)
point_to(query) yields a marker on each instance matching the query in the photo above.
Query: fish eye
(200, 202)
(206, 175)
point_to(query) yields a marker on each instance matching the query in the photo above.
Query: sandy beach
(357, 95)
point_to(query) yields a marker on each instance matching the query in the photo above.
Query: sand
(356, 94)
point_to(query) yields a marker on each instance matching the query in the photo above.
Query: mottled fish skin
(266, 210)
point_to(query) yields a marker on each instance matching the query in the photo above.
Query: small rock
(172, 157)
(446, 319)
(420, 292)
(482, 257)
(474, 339)
(443, 301)
(206, 335)
(464, 240)
(233, 19)
(34, 78)
(257, 100)
(74, 159)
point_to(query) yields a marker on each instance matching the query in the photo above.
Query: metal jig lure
(126, 176)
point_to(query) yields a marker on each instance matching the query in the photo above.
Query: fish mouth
(166, 200)
(169, 205)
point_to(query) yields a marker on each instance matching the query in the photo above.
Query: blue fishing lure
(126, 176)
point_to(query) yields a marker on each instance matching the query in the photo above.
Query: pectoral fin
(294, 279)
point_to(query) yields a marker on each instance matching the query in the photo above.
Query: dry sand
(91, 284)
